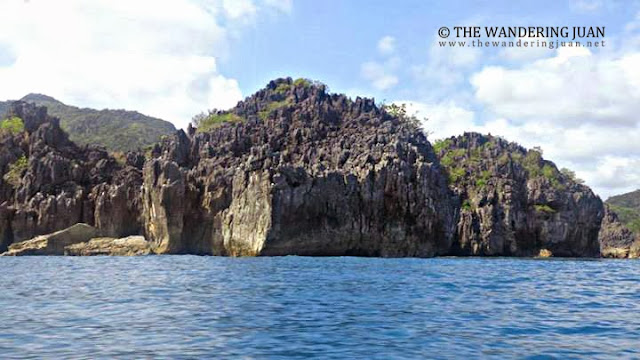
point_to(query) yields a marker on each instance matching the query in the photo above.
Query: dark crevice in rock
(299, 171)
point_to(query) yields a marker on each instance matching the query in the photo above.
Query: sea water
(328, 308)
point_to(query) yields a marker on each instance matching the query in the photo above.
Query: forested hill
(627, 206)
(116, 130)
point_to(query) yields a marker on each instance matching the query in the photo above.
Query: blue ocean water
(329, 308)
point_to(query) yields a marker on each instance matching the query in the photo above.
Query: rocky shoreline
(299, 171)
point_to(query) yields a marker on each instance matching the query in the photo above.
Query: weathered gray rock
(63, 184)
(53, 244)
(304, 172)
(616, 240)
(515, 203)
(165, 205)
(129, 246)
(118, 206)
(323, 175)
(634, 250)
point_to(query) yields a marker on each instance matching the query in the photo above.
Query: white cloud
(602, 156)
(381, 75)
(286, 6)
(443, 119)
(447, 66)
(387, 45)
(586, 5)
(572, 88)
(160, 58)
(581, 108)
(607, 158)
(528, 53)
(237, 9)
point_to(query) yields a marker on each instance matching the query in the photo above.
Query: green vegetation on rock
(544, 208)
(552, 174)
(282, 88)
(456, 174)
(216, 119)
(532, 163)
(451, 156)
(16, 170)
(273, 106)
(12, 125)
(400, 112)
(441, 144)
(571, 175)
(302, 82)
(627, 206)
(536, 166)
(285, 87)
(629, 217)
(481, 167)
(483, 179)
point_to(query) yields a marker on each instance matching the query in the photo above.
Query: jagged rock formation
(627, 206)
(61, 183)
(512, 202)
(616, 240)
(305, 173)
(294, 170)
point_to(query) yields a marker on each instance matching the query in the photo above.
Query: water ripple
(331, 308)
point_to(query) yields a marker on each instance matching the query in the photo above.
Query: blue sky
(175, 58)
(329, 40)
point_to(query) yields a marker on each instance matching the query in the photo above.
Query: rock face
(627, 207)
(515, 203)
(616, 240)
(129, 246)
(294, 170)
(314, 174)
(61, 184)
(53, 244)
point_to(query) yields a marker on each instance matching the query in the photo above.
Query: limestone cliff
(48, 183)
(295, 170)
(616, 239)
(513, 202)
(302, 172)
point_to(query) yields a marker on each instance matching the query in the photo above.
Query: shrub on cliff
(628, 216)
(627, 206)
(570, 174)
(544, 208)
(15, 172)
(400, 111)
(12, 125)
(205, 122)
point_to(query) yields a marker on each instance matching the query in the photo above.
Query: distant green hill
(627, 206)
(117, 130)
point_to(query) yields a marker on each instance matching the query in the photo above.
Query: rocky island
(295, 170)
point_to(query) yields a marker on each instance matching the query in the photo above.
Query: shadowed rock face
(299, 172)
(318, 175)
(616, 240)
(63, 184)
(513, 202)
